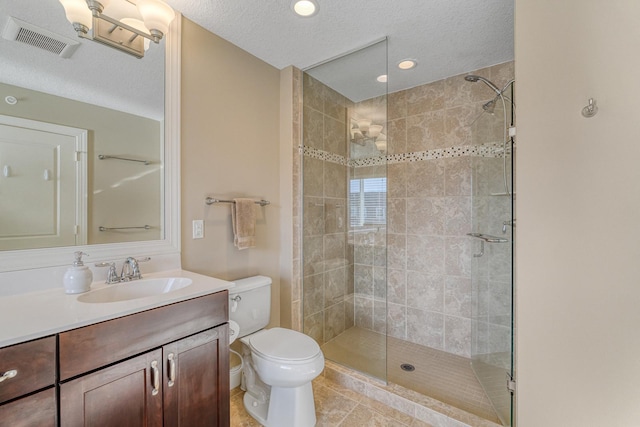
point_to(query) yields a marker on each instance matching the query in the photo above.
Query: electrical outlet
(198, 229)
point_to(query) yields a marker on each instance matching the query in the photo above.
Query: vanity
(160, 360)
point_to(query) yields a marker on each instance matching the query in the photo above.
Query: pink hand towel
(243, 218)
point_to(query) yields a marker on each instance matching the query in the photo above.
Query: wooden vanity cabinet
(27, 394)
(163, 367)
(119, 395)
(196, 380)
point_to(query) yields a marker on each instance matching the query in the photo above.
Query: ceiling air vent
(17, 30)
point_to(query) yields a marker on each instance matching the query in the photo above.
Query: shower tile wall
(427, 259)
(429, 289)
(327, 263)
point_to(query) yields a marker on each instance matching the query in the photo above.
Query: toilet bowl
(279, 363)
(284, 358)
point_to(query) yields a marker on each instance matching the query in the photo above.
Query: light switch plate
(198, 229)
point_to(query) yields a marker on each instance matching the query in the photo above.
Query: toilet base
(286, 407)
(256, 409)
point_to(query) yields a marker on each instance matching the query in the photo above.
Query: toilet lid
(284, 344)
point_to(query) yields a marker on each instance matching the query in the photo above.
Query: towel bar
(211, 200)
(105, 157)
(145, 227)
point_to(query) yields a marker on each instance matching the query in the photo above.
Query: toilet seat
(284, 345)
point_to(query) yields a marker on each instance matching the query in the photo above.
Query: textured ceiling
(95, 74)
(446, 37)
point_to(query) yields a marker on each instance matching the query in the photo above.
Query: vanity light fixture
(407, 64)
(119, 23)
(305, 8)
(381, 142)
(363, 131)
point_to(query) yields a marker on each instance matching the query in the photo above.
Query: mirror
(128, 110)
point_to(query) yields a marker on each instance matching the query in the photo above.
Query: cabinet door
(127, 394)
(196, 387)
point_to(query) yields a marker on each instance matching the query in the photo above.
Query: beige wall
(578, 239)
(120, 193)
(229, 148)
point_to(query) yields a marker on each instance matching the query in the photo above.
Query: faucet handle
(112, 275)
(136, 267)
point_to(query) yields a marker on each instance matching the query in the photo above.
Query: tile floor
(336, 406)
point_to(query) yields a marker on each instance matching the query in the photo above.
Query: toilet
(279, 364)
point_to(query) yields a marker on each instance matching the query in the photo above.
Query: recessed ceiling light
(382, 78)
(305, 8)
(407, 64)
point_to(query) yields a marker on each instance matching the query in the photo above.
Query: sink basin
(136, 289)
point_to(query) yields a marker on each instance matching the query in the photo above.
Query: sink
(136, 289)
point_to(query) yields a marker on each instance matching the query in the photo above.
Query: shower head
(474, 78)
(490, 106)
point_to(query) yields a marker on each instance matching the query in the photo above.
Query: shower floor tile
(359, 349)
(442, 376)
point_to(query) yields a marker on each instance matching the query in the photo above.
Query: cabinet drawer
(91, 347)
(36, 410)
(35, 366)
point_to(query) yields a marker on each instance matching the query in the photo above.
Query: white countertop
(39, 314)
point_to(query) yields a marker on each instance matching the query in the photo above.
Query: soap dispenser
(78, 277)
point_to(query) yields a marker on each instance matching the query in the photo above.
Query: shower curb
(409, 402)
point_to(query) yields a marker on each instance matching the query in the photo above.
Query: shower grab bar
(488, 238)
(211, 201)
(145, 227)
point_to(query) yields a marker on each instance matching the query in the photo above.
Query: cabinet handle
(155, 378)
(9, 374)
(172, 369)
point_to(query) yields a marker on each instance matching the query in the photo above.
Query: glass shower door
(492, 268)
(344, 209)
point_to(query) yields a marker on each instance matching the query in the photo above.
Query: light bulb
(381, 145)
(156, 14)
(374, 130)
(363, 125)
(77, 12)
(305, 8)
(407, 64)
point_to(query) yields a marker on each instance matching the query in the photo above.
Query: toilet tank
(253, 309)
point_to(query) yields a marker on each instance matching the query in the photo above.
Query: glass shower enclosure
(493, 219)
(376, 293)
(344, 208)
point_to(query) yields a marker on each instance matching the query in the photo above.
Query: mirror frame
(28, 259)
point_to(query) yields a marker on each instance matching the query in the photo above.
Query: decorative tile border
(314, 153)
(440, 153)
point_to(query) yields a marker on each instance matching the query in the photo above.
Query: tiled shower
(386, 259)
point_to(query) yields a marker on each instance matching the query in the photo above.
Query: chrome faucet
(131, 269)
(112, 276)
